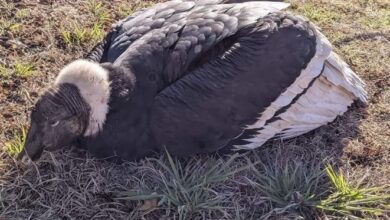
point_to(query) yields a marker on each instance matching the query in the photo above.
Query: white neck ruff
(92, 80)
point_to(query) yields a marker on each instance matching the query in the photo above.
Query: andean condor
(195, 76)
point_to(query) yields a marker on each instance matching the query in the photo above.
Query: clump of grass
(7, 25)
(354, 202)
(15, 145)
(3, 70)
(7, 7)
(96, 32)
(66, 36)
(187, 190)
(79, 35)
(305, 190)
(22, 13)
(292, 188)
(22, 69)
(98, 10)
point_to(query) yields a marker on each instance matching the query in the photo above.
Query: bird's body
(200, 76)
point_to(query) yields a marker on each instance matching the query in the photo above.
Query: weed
(66, 36)
(7, 7)
(354, 201)
(22, 69)
(75, 34)
(3, 70)
(79, 35)
(22, 13)
(96, 32)
(15, 145)
(186, 189)
(10, 26)
(98, 10)
(293, 187)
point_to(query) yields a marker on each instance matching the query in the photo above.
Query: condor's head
(76, 105)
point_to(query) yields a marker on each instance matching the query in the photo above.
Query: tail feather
(339, 73)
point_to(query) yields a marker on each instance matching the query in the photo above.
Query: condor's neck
(126, 129)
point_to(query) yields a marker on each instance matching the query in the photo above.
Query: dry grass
(72, 185)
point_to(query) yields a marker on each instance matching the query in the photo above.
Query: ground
(282, 180)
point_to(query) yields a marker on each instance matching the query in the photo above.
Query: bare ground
(73, 185)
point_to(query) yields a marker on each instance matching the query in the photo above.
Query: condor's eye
(53, 124)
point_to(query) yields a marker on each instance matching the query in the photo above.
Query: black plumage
(202, 76)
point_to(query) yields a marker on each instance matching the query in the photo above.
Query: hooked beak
(33, 147)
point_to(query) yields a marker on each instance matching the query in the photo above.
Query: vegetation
(282, 180)
(22, 69)
(78, 35)
(184, 187)
(354, 202)
(15, 145)
(293, 188)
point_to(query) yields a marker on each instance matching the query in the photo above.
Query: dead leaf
(148, 205)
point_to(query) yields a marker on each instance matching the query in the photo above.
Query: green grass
(23, 69)
(22, 13)
(319, 15)
(186, 188)
(304, 190)
(293, 188)
(18, 69)
(354, 202)
(3, 70)
(78, 35)
(68, 184)
(98, 10)
(7, 7)
(15, 145)
(379, 18)
(12, 27)
(96, 32)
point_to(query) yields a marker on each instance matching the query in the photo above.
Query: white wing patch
(312, 70)
(329, 95)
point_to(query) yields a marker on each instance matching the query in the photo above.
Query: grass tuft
(79, 35)
(15, 145)
(3, 70)
(22, 69)
(292, 188)
(354, 202)
(187, 188)
(22, 14)
(305, 189)
(9, 26)
(98, 10)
